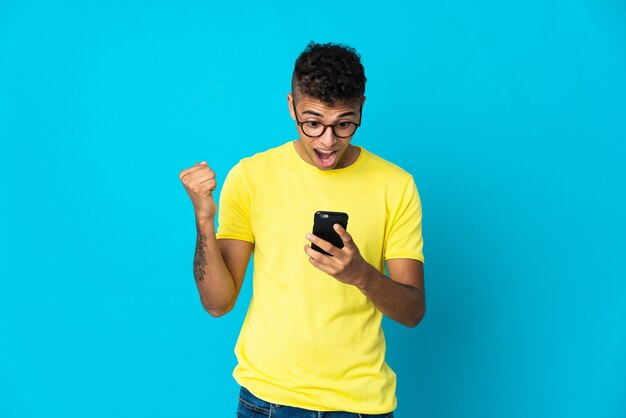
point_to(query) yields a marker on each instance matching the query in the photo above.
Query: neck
(350, 157)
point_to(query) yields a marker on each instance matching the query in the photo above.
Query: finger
(318, 260)
(202, 185)
(194, 167)
(202, 176)
(208, 187)
(320, 266)
(324, 245)
(211, 183)
(316, 255)
(189, 172)
(343, 234)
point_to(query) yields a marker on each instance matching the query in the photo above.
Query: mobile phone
(323, 222)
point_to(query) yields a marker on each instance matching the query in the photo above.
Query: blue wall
(511, 117)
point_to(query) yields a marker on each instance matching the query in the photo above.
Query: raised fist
(199, 181)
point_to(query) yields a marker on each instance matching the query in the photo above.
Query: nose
(328, 138)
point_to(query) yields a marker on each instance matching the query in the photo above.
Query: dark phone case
(323, 222)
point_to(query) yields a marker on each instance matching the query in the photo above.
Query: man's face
(327, 151)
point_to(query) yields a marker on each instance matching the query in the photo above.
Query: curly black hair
(330, 73)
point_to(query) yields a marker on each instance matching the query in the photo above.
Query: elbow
(415, 319)
(413, 322)
(217, 310)
(217, 305)
(418, 311)
(217, 314)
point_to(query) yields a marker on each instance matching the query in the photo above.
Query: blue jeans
(252, 407)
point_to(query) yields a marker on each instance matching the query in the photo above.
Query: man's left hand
(346, 264)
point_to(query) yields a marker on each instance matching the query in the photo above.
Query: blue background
(510, 115)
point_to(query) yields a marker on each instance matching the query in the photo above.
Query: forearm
(400, 302)
(214, 281)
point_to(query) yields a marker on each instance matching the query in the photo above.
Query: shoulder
(383, 167)
(270, 154)
(257, 163)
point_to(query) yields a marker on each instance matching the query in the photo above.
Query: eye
(312, 124)
(344, 125)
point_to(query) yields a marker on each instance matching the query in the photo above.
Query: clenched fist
(199, 181)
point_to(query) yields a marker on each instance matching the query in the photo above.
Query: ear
(362, 103)
(290, 103)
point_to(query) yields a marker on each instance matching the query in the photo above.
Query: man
(311, 343)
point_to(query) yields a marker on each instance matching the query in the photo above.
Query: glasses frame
(332, 126)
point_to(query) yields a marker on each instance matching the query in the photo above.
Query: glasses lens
(341, 130)
(344, 129)
(312, 128)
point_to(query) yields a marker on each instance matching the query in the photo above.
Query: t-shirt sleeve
(233, 217)
(404, 229)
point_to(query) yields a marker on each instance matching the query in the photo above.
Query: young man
(312, 341)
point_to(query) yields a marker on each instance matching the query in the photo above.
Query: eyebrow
(311, 112)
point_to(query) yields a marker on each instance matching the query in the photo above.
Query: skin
(401, 298)
(220, 265)
(310, 109)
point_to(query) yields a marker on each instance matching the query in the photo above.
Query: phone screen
(323, 222)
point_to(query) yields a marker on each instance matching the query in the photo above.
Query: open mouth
(326, 159)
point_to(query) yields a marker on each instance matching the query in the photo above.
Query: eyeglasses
(315, 129)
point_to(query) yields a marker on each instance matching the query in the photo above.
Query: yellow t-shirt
(309, 340)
